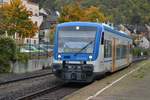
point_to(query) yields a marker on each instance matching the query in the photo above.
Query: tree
(94, 14)
(118, 11)
(8, 53)
(71, 12)
(74, 12)
(16, 20)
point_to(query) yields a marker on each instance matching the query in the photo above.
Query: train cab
(76, 45)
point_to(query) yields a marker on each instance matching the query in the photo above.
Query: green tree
(8, 53)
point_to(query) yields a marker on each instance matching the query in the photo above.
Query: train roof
(121, 33)
(105, 27)
(79, 23)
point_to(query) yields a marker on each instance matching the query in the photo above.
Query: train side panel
(105, 64)
(116, 63)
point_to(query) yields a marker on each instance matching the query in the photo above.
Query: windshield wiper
(84, 47)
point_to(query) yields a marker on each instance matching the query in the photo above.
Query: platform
(132, 83)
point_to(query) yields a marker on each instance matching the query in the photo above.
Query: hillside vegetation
(118, 11)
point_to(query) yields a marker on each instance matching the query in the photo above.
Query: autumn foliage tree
(74, 12)
(15, 19)
(94, 14)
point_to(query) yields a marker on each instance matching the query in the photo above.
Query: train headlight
(59, 56)
(77, 27)
(90, 57)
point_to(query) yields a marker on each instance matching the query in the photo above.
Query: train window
(118, 50)
(121, 51)
(124, 51)
(107, 49)
(102, 41)
(72, 39)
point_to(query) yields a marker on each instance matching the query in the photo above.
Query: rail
(40, 92)
(24, 78)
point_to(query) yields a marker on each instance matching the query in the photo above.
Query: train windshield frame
(77, 39)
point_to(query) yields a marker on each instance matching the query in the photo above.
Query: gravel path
(66, 89)
(21, 88)
(10, 76)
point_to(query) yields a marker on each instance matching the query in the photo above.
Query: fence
(31, 65)
(39, 58)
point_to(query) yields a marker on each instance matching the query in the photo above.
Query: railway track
(24, 78)
(19, 88)
(40, 93)
(52, 93)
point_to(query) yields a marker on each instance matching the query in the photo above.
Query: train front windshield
(77, 39)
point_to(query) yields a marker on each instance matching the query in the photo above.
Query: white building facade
(34, 8)
(144, 43)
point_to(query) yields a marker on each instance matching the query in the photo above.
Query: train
(86, 50)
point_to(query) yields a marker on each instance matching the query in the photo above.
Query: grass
(143, 70)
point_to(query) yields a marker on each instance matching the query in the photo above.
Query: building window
(36, 22)
(35, 14)
(43, 33)
(34, 41)
(27, 41)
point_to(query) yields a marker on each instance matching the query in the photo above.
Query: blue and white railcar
(84, 50)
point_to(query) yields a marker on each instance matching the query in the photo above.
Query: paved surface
(132, 83)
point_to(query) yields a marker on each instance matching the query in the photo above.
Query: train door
(113, 54)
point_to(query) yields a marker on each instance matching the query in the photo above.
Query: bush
(146, 52)
(7, 53)
(22, 57)
(4, 65)
(137, 52)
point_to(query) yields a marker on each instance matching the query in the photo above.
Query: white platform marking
(114, 82)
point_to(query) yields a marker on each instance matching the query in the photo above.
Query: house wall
(33, 7)
(144, 43)
(45, 34)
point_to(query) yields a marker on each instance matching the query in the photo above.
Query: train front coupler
(74, 71)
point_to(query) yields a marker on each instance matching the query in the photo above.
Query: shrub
(7, 53)
(22, 57)
(137, 52)
(146, 52)
(4, 65)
